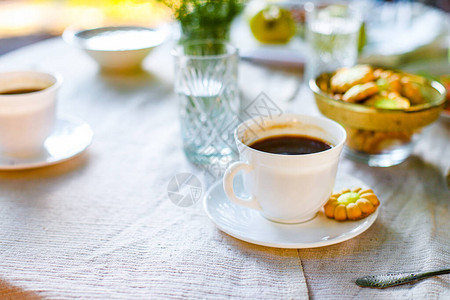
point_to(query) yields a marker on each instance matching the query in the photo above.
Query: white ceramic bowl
(121, 48)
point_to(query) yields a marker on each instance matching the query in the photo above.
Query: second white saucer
(70, 137)
(248, 225)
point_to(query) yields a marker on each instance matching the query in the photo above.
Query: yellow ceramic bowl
(381, 137)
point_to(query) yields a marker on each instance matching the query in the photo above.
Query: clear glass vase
(206, 83)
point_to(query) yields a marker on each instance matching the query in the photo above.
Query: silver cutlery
(391, 279)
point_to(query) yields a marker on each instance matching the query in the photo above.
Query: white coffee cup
(286, 188)
(26, 118)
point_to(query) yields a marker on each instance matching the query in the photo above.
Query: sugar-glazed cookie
(360, 92)
(352, 204)
(345, 78)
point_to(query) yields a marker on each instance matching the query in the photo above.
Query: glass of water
(332, 35)
(206, 84)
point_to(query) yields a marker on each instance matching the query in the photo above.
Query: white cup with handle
(286, 188)
(27, 111)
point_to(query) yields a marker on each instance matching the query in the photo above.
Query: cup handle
(228, 180)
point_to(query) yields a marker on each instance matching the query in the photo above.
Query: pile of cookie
(376, 87)
(379, 88)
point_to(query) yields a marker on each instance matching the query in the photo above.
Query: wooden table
(101, 225)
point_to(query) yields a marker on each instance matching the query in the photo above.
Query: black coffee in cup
(290, 144)
(20, 91)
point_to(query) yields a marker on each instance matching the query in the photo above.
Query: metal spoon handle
(391, 279)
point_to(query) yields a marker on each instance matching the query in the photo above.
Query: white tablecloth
(101, 225)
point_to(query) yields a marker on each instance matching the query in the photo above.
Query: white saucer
(248, 225)
(70, 137)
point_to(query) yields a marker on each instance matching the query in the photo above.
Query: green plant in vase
(205, 19)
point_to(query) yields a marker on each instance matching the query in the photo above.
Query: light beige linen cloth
(102, 226)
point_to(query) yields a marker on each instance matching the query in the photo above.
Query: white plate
(70, 137)
(248, 225)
